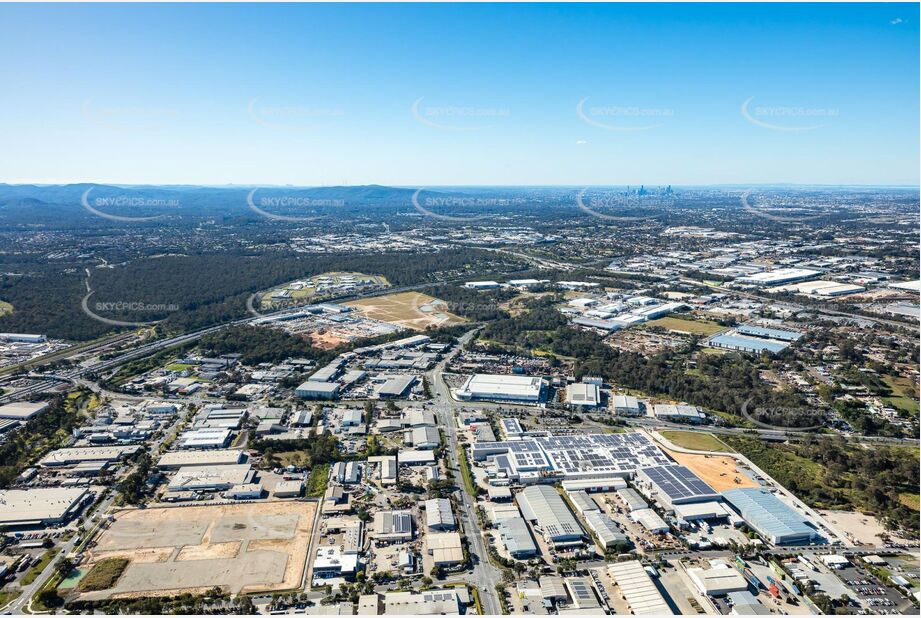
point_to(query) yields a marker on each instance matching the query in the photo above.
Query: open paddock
(407, 309)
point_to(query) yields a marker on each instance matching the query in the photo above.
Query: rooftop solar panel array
(678, 484)
(572, 456)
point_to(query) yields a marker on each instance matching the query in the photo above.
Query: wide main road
(485, 575)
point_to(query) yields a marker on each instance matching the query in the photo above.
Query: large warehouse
(673, 484)
(23, 410)
(780, 334)
(210, 478)
(779, 276)
(770, 517)
(514, 534)
(43, 506)
(80, 455)
(586, 457)
(583, 395)
(744, 343)
(314, 389)
(177, 459)
(524, 389)
(638, 589)
(543, 506)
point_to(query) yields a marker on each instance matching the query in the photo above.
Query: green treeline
(194, 291)
(40, 434)
(721, 382)
(828, 472)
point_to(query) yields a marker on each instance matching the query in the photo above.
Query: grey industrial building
(177, 459)
(313, 389)
(545, 509)
(515, 536)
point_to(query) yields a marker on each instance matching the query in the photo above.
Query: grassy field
(692, 327)
(103, 575)
(178, 366)
(696, 440)
(5, 308)
(316, 484)
(8, 595)
(904, 393)
(912, 501)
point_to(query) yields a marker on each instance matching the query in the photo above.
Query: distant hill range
(42, 203)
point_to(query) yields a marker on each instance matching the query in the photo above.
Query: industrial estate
(515, 397)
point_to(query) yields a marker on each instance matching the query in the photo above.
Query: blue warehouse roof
(770, 517)
(769, 333)
(748, 344)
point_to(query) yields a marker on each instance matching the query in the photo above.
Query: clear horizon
(473, 95)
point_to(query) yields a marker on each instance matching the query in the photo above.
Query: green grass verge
(103, 575)
(696, 440)
(36, 569)
(466, 473)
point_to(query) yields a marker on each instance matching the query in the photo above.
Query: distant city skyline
(450, 95)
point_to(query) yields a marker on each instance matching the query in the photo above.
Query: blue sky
(447, 95)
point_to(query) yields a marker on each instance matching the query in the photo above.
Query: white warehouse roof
(638, 589)
(438, 513)
(37, 506)
(504, 387)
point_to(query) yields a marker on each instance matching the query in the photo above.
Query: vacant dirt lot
(251, 547)
(864, 528)
(720, 473)
(408, 309)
